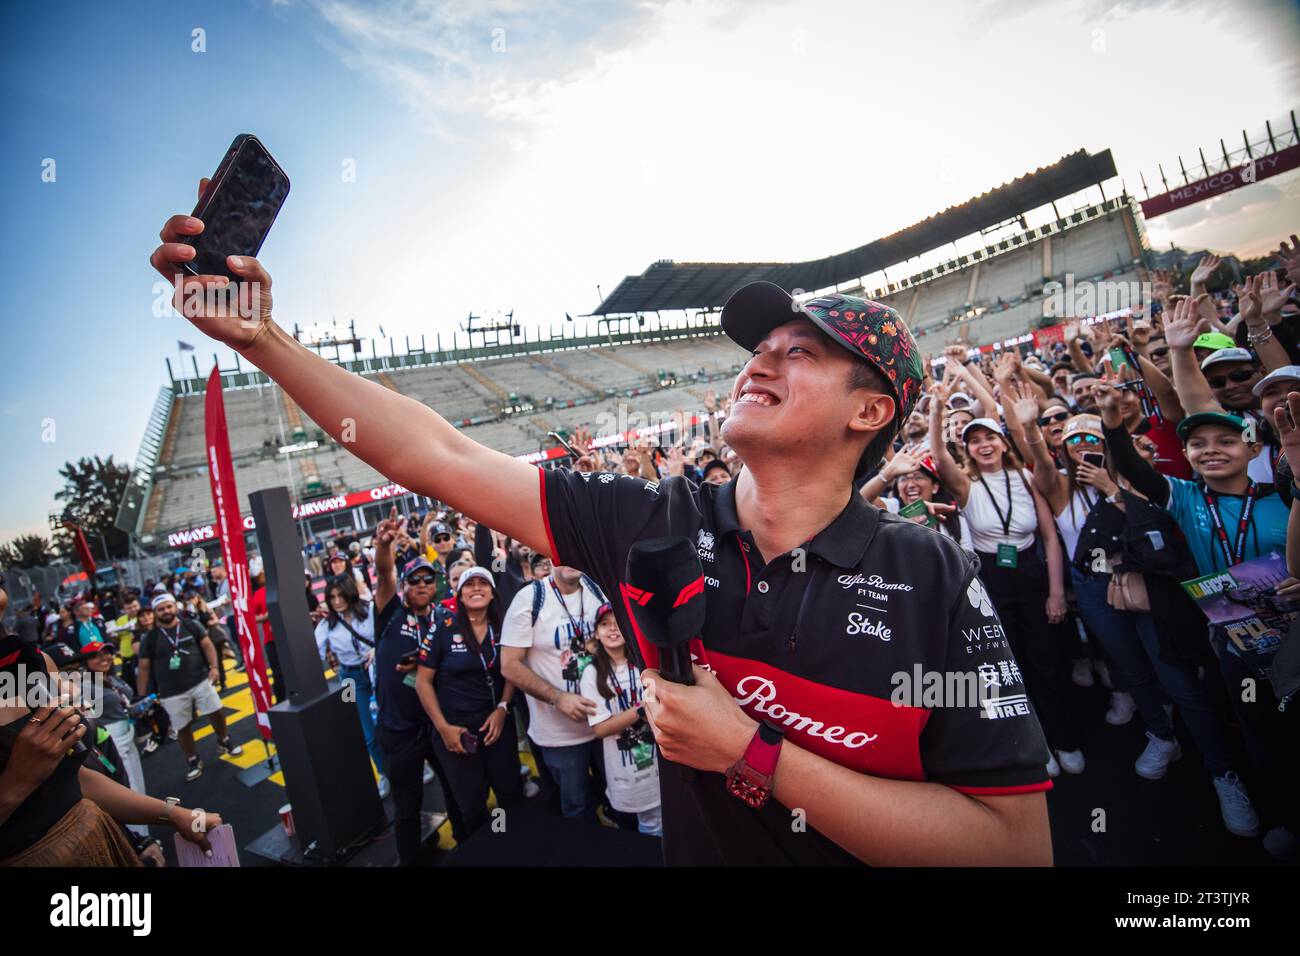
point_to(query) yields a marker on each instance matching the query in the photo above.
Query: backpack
(539, 595)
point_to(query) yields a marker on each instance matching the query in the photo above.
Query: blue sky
(515, 154)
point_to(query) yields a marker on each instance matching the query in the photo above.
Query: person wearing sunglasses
(1052, 421)
(403, 729)
(1154, 653)
(1156, 349)
(1254, 522)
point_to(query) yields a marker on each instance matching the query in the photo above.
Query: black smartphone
(410, 658)
(1094, 458)
(241, 202)
(554, 436)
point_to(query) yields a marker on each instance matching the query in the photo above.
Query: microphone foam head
(664, 590)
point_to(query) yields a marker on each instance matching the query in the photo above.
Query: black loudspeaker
(317, 732)
(327, 774)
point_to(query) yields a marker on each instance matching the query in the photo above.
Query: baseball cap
(62, 655)
(160, 599)
(955, 397)
(604, 609)
(439, 527)
(1083, 425)
(1193, 422)
(715, 464)
(1226, 354)
(988, 423)
(94, 647)
(1291, 372)
(477, 571)
(1213, 340)
(419, 564)
(255, 565)
(870, 330)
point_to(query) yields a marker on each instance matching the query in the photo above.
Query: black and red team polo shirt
(816, 641)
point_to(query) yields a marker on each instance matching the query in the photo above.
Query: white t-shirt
(548, 653)
(982, 516)
(350, 651)
(630, 790)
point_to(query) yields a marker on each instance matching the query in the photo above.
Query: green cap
(1213, 340)
(1193, 422)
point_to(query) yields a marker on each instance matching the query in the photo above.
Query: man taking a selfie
(819, 607)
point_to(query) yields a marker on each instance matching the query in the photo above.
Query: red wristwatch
(750, 779)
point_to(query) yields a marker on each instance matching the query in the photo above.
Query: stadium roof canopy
(670, 285)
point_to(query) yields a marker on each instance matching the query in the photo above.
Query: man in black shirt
(403, 729)
(816, 404)
(183, 661)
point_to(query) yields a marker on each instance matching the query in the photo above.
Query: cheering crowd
(1030, 512)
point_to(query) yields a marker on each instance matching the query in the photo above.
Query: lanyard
(1238, 550)
(1005, 519)
(582, 611)
(487, 664)
(175, 642)
(627, 699)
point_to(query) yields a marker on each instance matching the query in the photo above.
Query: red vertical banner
(230, 529)
(82, 547)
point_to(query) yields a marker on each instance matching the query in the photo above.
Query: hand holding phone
(233, 317)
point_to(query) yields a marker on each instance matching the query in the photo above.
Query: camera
(638, 733)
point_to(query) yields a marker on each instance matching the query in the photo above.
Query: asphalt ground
(1106, 816)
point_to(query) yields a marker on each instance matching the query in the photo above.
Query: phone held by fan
(238, 207)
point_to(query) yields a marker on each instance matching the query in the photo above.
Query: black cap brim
(756, 309)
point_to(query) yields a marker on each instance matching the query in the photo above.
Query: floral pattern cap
(870, 330)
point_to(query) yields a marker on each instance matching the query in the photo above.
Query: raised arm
(1261, 300)
(1131, 466)
(385, 572)
(1047, 479)
(950, 473)
(401, 438)
(1181, 331)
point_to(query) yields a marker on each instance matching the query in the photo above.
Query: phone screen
(238, 208)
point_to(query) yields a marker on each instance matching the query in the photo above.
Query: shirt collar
(843, 542)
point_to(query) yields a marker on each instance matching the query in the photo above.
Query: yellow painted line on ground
(446, 840)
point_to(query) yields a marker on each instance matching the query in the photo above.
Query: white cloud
(738, 131)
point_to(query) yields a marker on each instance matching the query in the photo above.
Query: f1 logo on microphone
(636, 594)
(691, 590)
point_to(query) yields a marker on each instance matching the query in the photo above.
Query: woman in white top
(1006, 517)
(347, 630)
(631, 763)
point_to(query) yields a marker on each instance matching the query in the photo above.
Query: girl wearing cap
(631, 763)
(1007, 518)
(915, 478)
(1148, 662)
(461, 688)
(339, 565)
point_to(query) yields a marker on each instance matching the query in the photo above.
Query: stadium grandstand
(981, 273)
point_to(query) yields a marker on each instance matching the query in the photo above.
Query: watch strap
(764, 749)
